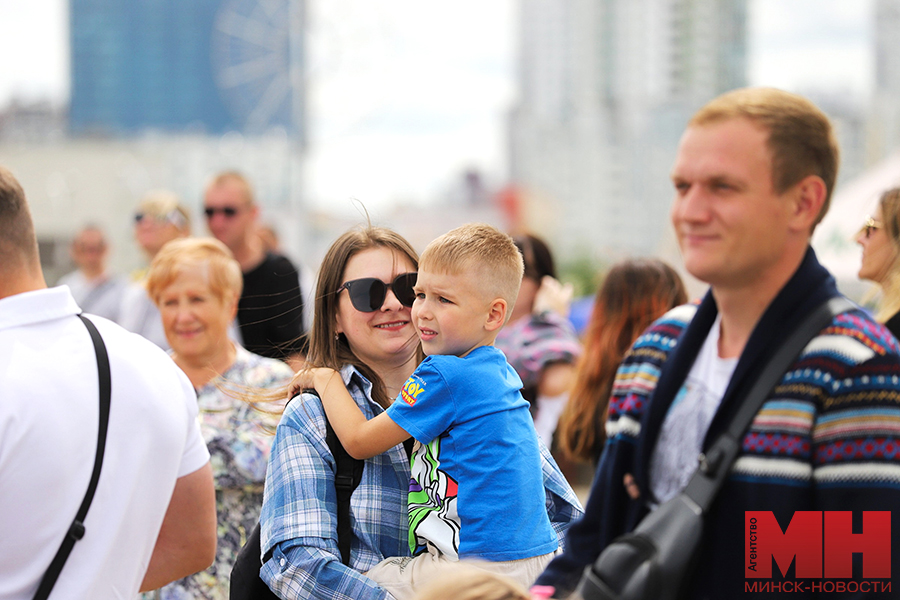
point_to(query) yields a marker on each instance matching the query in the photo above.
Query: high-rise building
(884, 122)
(199, 65)
(606, 87)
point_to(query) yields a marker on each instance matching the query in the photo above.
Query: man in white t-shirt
(752, 177)
(153, 518)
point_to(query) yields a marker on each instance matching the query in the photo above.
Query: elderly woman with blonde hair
(196, 284)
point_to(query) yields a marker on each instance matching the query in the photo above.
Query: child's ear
(496, 315)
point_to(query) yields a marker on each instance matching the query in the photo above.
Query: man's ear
(496, 315)
(808, 200)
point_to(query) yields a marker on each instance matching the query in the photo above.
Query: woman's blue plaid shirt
(298, 519)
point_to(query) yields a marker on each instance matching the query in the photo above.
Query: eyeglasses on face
(870, 226)
(368, 294)
(227, 211)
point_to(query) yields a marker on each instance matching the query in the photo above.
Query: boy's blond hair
(483, 252)
(238, 179)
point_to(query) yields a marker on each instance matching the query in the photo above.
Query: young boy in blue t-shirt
(476, 490)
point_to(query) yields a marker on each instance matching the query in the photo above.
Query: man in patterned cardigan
(753, 176)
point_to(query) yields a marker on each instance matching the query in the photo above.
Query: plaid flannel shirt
(563, 506)
(299, 514)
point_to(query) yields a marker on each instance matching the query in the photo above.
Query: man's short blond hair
(801, 139)
(236, 178)
(483, 252)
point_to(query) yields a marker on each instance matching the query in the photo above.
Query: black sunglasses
(870, 226)
(228, 211)
(368, 294)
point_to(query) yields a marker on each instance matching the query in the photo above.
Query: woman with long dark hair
(633, 295)
(362, 328)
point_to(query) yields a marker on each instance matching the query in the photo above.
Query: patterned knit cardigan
(826, 439)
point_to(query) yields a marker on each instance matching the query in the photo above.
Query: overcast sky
(368, 114)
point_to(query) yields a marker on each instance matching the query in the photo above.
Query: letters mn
(821, 543)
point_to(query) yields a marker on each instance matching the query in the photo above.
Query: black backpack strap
(245, 582)
(347, 475)
(76, 530)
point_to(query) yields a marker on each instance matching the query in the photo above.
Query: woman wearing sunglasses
(159, 219)
(880, 241)
(362, 327)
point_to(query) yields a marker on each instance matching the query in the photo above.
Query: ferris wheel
(257, 59)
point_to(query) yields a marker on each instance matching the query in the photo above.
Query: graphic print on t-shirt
(433, 516)
(413, 387)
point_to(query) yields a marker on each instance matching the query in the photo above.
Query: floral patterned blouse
(239, 438)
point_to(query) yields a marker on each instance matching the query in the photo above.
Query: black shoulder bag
(76, 530)
(653, 562)
(246, 583)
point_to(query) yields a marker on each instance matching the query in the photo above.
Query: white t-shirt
(49, 404)
(687, 421)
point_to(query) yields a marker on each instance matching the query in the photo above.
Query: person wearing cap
(160, 217)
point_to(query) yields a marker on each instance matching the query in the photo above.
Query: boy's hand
(316, 378)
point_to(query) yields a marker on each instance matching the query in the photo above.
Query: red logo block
(821, 542)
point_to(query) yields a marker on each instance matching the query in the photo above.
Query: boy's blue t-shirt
(476, 489)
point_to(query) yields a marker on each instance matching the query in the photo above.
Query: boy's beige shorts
(402, 576)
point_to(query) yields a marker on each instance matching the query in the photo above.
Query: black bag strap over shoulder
(245, 581)
(76, 530)
(656, 559)
(347, 475)
(715, 464)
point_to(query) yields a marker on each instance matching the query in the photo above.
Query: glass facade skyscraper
(208, 66)
(605, 89)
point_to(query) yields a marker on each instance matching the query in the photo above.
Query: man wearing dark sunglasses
(271, 306)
